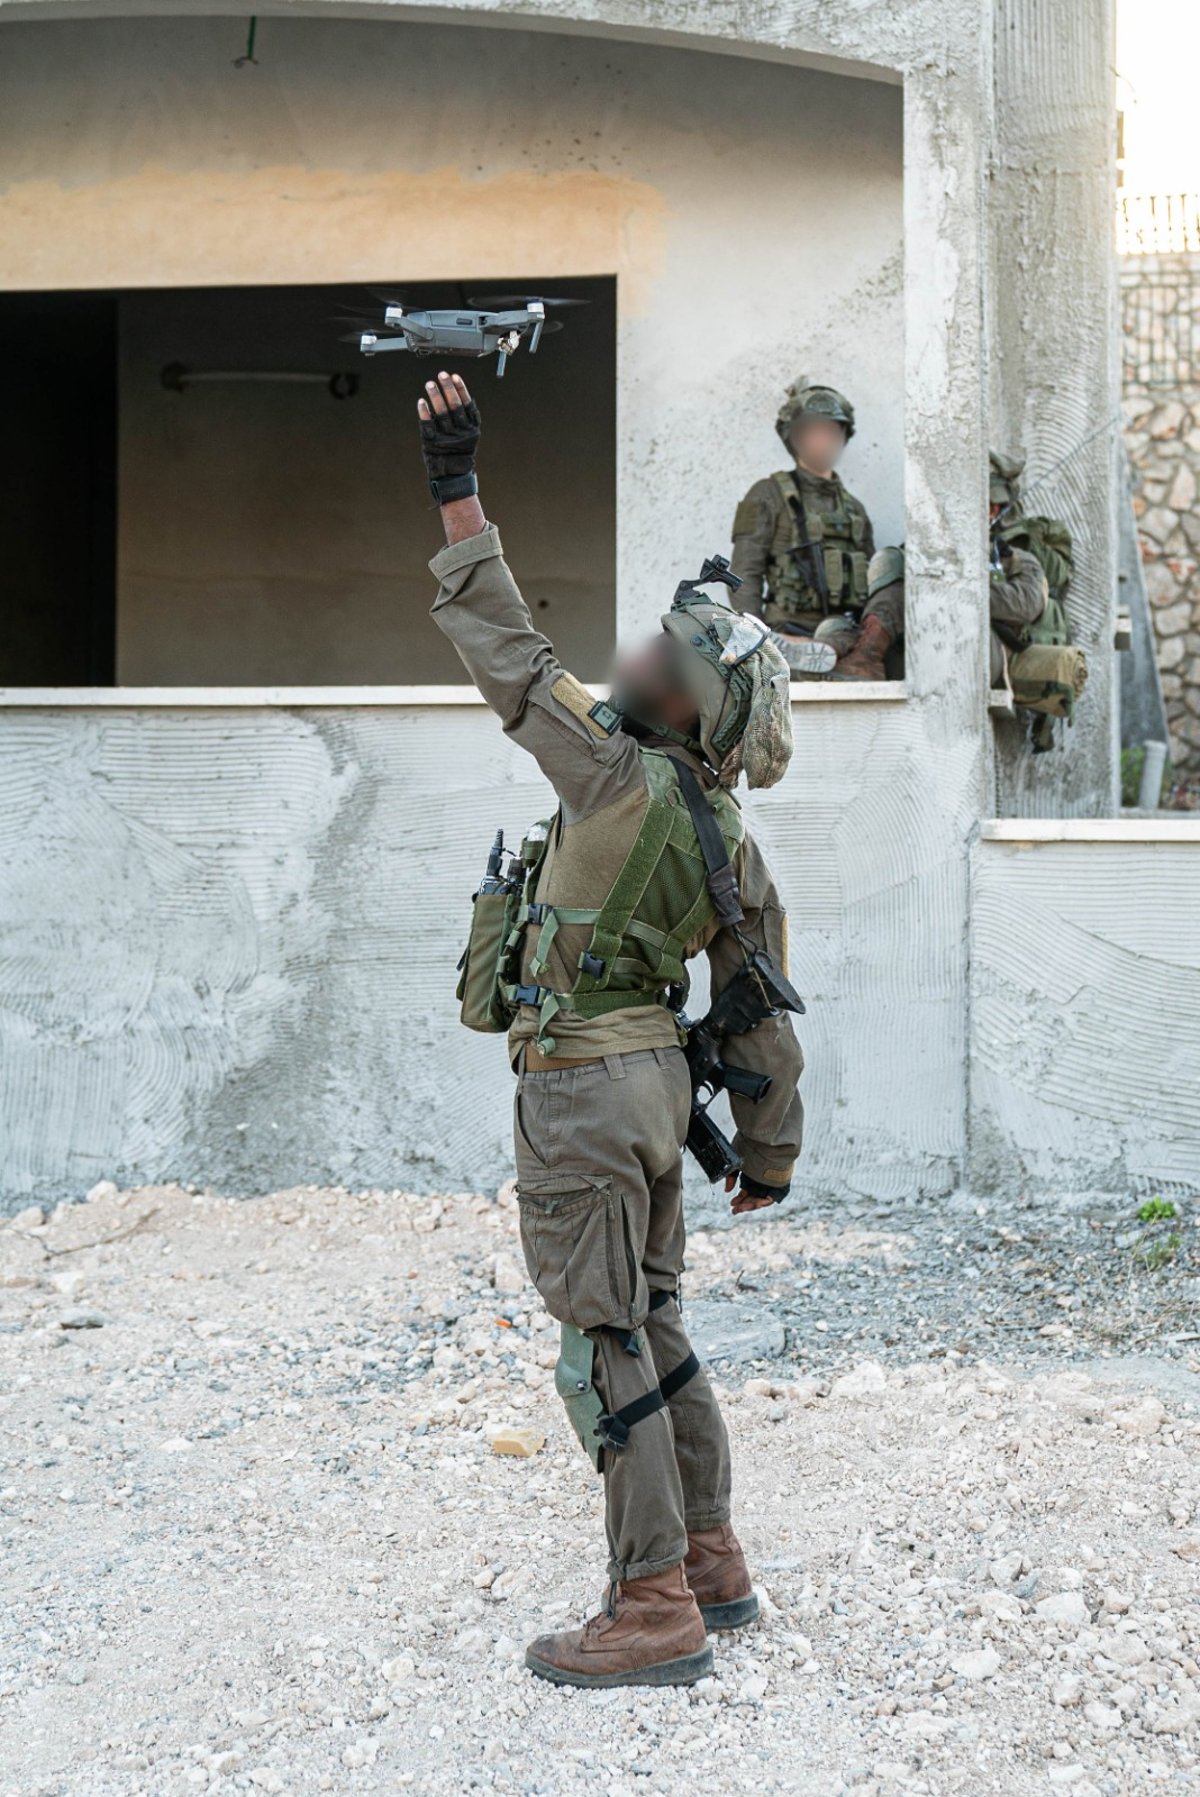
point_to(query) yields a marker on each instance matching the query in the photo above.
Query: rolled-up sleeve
(544, 708)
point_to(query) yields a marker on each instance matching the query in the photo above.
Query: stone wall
(1161, 401)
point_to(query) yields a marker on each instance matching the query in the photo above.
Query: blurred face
(646, 680)
(817, 443)
(994, 510)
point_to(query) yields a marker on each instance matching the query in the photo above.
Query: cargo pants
(600, 1190)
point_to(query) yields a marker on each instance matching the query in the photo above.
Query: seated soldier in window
(802, 545)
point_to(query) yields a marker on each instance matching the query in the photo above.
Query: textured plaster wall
(1085, 1009)
(1052, 303)
(229, 941)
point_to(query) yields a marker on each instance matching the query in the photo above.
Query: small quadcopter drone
(485, 327)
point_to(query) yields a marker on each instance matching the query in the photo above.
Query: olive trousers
(600, 1190)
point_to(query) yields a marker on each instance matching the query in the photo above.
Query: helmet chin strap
(638, 724)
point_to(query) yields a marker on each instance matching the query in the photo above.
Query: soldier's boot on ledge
(807, 658)
(865, 660)
(650, 1633)
(720, 1579)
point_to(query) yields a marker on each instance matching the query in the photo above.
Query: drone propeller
(512, 302)
(356, 320)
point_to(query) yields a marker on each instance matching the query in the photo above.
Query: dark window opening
(58, 459)
(163, 531)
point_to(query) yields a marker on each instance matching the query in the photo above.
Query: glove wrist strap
(453, 486)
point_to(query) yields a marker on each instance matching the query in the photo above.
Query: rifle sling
(722, 881)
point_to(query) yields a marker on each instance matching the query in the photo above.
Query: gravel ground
(256, 1537)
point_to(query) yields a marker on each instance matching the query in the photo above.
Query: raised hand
(450, 430)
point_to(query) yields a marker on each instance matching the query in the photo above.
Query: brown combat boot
(865, 660)
(720, 1580)
(650, 1634)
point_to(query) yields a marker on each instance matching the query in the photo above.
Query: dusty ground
(255, 1538)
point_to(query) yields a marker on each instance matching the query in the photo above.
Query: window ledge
(1025, 832)
(216, 698)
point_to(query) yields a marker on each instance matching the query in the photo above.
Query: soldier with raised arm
(618, 894)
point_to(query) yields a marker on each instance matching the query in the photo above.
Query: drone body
(474, 330)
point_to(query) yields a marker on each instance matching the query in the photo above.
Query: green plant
(1155, 1255)
(1156, 1210)
(1131, 774)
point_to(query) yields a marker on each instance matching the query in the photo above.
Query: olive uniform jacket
(602, 790)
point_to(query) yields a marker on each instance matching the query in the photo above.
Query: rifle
(809, 559)
(758, 990)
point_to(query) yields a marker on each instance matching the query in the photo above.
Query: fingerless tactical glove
(448, 443)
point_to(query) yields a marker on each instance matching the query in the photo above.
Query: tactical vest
(837, 537)
(630, 949)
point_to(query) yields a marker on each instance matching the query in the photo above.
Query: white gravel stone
(985, 1662)
(865, 1381)
(1145, 1417)
(508, 1279)
(1066, 1608)
(1125, 1649)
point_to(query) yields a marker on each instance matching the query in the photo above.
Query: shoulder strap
(722, 881)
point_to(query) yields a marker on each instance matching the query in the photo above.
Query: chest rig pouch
(820, 563)
(488, 967)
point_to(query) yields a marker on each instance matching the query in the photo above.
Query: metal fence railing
(1157, 224)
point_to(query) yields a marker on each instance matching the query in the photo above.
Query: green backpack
(1048, 673)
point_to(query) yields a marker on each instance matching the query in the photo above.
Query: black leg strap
(613, 1429)
(675, 1381)
(627, 1338)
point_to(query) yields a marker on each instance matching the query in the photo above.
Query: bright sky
(1158, 68)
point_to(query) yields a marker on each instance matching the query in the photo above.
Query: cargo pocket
(574, 1238)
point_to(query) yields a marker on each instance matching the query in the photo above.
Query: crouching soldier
(646, 862)
(802, 546)
(1016, 596)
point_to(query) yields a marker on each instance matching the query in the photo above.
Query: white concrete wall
(1053, 363)
(1085, 1009)
(230, 936)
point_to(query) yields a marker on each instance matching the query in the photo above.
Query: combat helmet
(1004, 472)
(737, 677)
(805, 400)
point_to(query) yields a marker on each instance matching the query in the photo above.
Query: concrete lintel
(779, 34)
(1031, 830)
(219, 698)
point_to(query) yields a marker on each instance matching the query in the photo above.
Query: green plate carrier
(658, 902)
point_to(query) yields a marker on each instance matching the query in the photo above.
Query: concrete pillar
(1052, 299)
